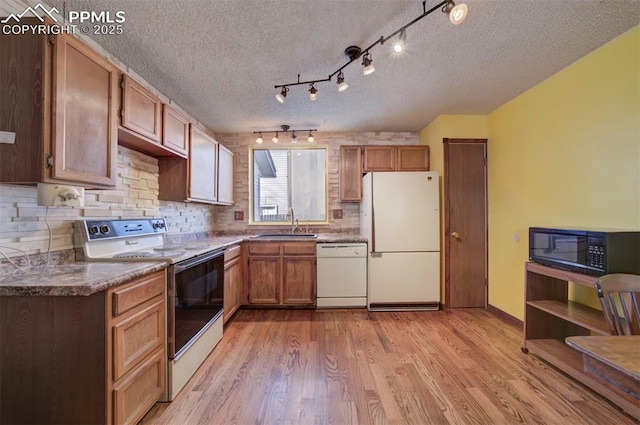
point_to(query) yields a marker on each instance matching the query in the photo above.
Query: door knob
(455, 235)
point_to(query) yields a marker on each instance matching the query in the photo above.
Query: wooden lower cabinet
(232, 281)
(282, 274)
(83, 359)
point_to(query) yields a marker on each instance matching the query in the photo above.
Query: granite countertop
(82, 278)
(75, 279)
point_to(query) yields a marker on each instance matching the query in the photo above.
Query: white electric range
(195, 285)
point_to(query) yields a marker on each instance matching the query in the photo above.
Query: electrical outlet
(58, 195)
(337, 214)
(238, 215)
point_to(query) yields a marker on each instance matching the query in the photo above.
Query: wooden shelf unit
(550, 317)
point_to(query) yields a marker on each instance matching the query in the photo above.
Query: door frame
(447, 229)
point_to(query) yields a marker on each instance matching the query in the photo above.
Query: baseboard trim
(505, 316)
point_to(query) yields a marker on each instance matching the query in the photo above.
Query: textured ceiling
(220, 60)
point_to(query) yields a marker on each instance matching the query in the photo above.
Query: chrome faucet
(294, 222)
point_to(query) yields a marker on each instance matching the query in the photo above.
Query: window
(289, 178)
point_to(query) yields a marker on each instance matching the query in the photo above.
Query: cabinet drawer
(232, 253)
(127, 297)
(299, 248)
(137, 336)
(139, 391)
(264, 248)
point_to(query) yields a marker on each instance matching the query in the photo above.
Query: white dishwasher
(342, 275)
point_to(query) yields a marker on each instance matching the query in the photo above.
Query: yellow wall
(566, 152)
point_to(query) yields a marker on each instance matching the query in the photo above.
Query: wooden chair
(618, 294)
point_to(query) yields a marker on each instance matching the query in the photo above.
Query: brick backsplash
(239, 143)
(22, 221)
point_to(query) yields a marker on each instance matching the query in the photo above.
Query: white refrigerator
(400, 215)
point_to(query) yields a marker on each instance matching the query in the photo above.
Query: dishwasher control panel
(340, 250)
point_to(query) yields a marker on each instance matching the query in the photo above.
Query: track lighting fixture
(285, 129)
(398, 45)
(283, 93)
(457, 14)
(342, 86)
(367, 64)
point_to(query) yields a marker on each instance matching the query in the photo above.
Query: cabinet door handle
(455, 235)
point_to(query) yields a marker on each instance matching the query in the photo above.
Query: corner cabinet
(550, 317)
(55, 85)
(194, 179)
(282, 274)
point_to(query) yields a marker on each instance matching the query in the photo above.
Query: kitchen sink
(286, 236)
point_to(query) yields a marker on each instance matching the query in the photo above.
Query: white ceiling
(220, 59)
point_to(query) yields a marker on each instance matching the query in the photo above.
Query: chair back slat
(618, 294)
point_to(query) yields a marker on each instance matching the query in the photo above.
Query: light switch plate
(7, 137)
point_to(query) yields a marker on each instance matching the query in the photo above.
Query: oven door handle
(183, 265)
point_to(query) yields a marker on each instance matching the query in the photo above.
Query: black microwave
(590, 251)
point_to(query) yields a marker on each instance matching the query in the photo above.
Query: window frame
(289, 149)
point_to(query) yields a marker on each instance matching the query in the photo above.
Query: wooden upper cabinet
(141, 110)
(396, 158)
(203, 161)
(175, 130)
(379, 158)
(61, 103)
(413, 158)
(350, 173)
(225, 175)
(84, 124)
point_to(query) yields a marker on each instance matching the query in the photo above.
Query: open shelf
(574, 312)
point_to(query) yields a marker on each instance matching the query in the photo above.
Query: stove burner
(143, 254)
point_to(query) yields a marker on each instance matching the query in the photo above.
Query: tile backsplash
(22, 221)
(23, 226)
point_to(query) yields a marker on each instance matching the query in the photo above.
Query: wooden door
(465, 195)
(84, 124)
(232, 287)
(350, 173)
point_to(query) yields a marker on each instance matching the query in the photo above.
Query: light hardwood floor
(356, 367)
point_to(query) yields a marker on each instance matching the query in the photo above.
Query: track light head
(310, 138)
(313, 93)
(342, 86)
(367, 62)
(457, 13)
(259, 138)
(275, 138)
(294, 138)
(282, 95)
(398, 45)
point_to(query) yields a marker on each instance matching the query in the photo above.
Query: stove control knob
(93, 230)
(104, 229)
(156, 225)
